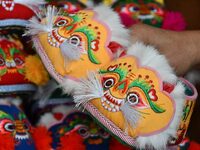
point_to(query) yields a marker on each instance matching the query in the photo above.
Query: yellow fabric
(149, 121)
(160, 1)
(108, 2)
(78, 68)
(35, 70)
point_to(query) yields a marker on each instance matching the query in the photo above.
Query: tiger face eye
(61, 23)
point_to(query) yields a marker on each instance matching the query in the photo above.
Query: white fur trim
(47, 120)
(70, 51)
(30, 2)
(69, 86)
(118, 32)
(63, 109)
(150, 57)
(88, 89)
(159, 141)
(4, 101)
(35, 26)
(17, 101)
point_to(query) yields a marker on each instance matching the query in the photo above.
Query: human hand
(182, 49)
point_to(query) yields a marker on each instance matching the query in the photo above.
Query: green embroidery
(2, 53)
(90, 34)
(14, 51)
(21, 71)
(186, 111)
(121, 86)
(76, 19)
(140, 83)
(92, 57)
(121, 72)
(21, 116)
(4, 115)
(146, 88)
(94, 131)
(3, 71)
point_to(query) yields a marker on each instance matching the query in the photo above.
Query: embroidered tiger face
(146, 11)
(13, 122)
(12, 61)
(133, 98)
(84, 125)
(77, 41)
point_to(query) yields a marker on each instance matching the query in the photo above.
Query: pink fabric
(127, 20)
(174, 21)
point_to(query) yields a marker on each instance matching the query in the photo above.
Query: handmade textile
(139, 99)
(70, 45)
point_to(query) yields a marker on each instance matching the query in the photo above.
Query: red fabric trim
(116, 47)
(19, 12)
(13, 78)
(58, 116)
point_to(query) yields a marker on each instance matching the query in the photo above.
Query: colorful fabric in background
(15, 129)
(15, 71)
(21, 71)
(149, 12)
(69, 6)
(17, 55)
(17, 12)
(81, 127)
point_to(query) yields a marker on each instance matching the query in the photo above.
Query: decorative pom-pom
(35, 70)
(6, 142)
(72, 141)
(174, 21)
(42, 138)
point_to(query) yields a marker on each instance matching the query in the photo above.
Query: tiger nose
(122, 87)
(144, 10)
(19, 126)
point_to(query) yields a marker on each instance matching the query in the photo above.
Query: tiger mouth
(55, 39)
(111, 103)
(21, 136)
(143, 17)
